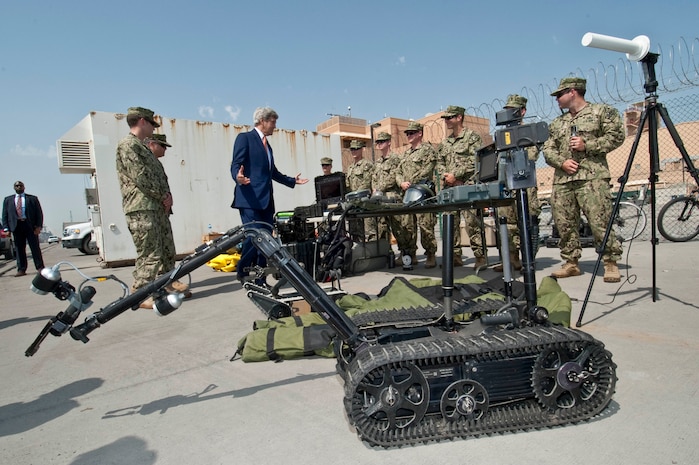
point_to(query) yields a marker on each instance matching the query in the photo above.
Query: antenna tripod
(651, 112)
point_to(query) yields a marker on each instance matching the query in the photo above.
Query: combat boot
(480, 263)
(457, 260)
(567, 270)
(179, 286)
(182, 289)
(430, 261)
(611, 272)
(514, 259)
(171, 289)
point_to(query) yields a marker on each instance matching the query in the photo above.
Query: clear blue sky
(219, 60)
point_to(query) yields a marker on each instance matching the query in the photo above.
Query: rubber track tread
(432, 352)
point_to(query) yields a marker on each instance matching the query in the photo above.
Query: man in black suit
(22, 214)
(253, 170)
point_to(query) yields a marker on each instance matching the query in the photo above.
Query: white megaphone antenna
(636, 49)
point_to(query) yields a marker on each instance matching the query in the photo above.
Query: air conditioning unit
(75, 157)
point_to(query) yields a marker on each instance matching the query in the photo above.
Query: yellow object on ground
(225, 262)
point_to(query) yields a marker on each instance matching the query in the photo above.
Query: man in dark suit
(22, 214)
(253, 170)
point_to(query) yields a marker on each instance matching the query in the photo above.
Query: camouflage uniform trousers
(168, 258)
(396, 225)
(362, 229)
(148, 229)
(594, 199)
(473, 229)
(425, 223)
(510, 213)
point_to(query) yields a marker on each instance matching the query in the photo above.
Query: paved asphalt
(151, 390)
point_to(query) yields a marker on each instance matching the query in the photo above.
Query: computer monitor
(330, 188)
(487, 163)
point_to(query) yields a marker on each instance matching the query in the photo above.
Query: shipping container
(198, 170)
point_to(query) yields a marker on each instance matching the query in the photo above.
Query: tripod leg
(654, 166)
(615, 209)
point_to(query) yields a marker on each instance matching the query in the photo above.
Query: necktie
(269, 158)
(19, 207)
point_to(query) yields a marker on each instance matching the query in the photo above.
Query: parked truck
(80, 236)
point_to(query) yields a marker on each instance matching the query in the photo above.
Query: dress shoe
(262, 282)
(20, 273)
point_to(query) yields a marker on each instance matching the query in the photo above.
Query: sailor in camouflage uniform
(146, 197)
(158, 144)
(418, 164)
(384, 182)
(517, 101)
(360, 172)
(457, 165)
(358, 178)
(578, 144)
(326, 165)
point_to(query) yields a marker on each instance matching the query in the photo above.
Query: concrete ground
(150, 390)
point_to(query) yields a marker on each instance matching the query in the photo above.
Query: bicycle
(629, 223)
(678, 220)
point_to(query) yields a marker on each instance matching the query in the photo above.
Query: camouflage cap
(357, 144)
(160, 139)
(326, 161)
(516, 101)
(570, 83)
(382, 136)
(453, 110)
(144, 113)
(413, 126)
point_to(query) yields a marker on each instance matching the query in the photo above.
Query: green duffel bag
(557, 302)
(309, 319)
(286, 342)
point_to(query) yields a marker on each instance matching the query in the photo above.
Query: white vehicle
(53, 239)
(80, 236)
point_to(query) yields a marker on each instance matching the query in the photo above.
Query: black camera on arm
(506, 159)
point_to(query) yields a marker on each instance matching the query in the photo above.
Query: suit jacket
(249, 153)
(32, 211)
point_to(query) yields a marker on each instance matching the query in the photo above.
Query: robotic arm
(49, 280)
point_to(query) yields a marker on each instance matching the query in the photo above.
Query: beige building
(349, 128)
